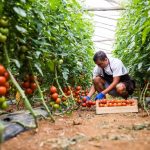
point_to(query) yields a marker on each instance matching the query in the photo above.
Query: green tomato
(3, 38)
(61, 61)
(65, 103)
(24, 48)
(56, 106)
(4, 105)
(3, 23)
(22, 56)
(4, 31)
(59, 67)
(2, 99)
(4, 17)
(51, 103)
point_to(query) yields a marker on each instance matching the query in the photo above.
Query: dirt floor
(83, 130)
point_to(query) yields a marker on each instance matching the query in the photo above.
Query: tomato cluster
(111, 103)
(78, 93)
(3, 29)
(4, 86)
(29, 84)
(55, 97)
(88, 103)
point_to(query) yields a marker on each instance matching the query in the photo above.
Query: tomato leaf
(17, 63)
(145, 33)
(20, 11)
(21, 29)
(51, 65)
(38, 67)
(65, 73)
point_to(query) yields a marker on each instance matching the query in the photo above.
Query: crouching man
(110, 76)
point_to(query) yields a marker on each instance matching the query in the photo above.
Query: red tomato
(54, 96)
(2, 69)
(115, 104)
(2, 80)
(68, 93)
(84, 99)
(124, 104)
(6, 74)
(7, 85)
(65, 89)
(119, 104)
(63, 98)
(78, 88)
(33, 86)
(104, 101)
(26, 84)
(79, 101)
(110, 104)
(112, 101)
(88, 103)
(58, 101)
(3, 90)
(130, 101)
(53, 89)
(118, 101)
(77, 92)
(93, 103)
(127, 102)
(28, 91)
(83, 104)
(101, 105)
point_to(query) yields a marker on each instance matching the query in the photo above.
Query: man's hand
(99, 96)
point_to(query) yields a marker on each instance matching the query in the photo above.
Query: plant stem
(26, 101)
(43, 101)
(41, 95)
(1, 133)
(56, 78)
(141, 95)
(144, 92)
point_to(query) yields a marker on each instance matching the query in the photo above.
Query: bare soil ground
(83, 130)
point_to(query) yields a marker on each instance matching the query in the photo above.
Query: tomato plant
(132, 43)
(49, 42)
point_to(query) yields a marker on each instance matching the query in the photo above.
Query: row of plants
(45, 45)
(133, 44)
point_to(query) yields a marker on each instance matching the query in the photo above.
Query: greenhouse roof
(106, 13)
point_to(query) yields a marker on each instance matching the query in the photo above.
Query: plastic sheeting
(12, 122)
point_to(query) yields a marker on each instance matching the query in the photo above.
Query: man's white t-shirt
(116, 68)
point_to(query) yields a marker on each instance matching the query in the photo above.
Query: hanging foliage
(133, 42)
(133, 38)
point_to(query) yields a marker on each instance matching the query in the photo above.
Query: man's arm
(92, 91)
(112, 85)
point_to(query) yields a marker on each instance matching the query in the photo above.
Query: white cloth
(118, 68)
